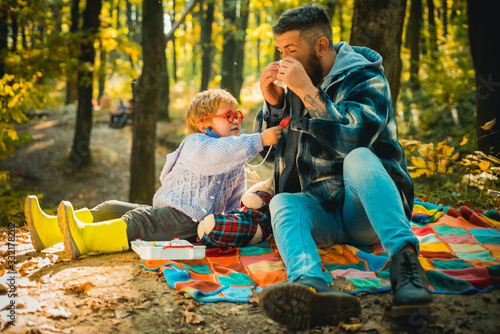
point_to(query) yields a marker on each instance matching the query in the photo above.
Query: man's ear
(322, 46)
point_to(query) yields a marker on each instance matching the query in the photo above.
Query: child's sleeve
(212, 156)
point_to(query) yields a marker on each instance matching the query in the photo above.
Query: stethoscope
(284, 123)
(211, 134)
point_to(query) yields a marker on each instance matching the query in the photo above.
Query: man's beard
(314, 69)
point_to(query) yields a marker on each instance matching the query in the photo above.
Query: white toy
(247, 225)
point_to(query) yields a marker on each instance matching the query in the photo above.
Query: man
(340, 173)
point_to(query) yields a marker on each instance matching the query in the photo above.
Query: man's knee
(361, 162)
(281, 201)
(358, 156)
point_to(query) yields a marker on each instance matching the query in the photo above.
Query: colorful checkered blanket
(459, 249)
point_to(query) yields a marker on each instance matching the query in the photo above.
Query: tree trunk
(258, 20)
(484, 50)
(3, 36)
(174, 56)
(432, 42)
(445, 17)
(71, 74)
(233, 45)
(206, 45)
(379, 25)
(165, 90)
(56, 13)
(340, 8)
(330, 8)
(80, 151)
(102, 73)
(240, 48)
(146, 105)
(414, 27)
(15, 31)
(129, 20)
(24, 40)
(138, 25)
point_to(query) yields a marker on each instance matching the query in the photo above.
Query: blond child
(205, 175)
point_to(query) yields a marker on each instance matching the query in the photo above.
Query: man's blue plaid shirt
(312, 151)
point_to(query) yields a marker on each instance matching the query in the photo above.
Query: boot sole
(298, 307)
(35, 239)
(410, 310)
(70, 247)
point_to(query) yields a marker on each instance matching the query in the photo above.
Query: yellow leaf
(423, 150)
(8, 90)
(441, 144)
(444, 162)
(464, 141)
(455, 156)
(489, 125)
(419, 162)
(441, 169)
(450, 170)
(12, 134)
(417, 173)
(484, 165)
(431, 166)
(12, 103)
(448, 151)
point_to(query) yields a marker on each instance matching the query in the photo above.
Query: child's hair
(206, 103)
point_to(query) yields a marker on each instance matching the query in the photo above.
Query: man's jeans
(372, 212)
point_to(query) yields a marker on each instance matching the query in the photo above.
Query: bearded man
(340, 174)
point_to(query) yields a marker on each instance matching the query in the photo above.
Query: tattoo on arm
(316, 106)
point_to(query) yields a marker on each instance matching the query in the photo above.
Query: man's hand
(272, 94)
(271, 136)
(293, 74)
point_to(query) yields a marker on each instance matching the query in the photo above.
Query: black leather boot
(410, 286)
(307, 303)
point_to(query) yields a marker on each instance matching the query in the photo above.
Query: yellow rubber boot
(43, 228)
(79, 238)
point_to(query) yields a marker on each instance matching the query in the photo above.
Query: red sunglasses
(229, 115)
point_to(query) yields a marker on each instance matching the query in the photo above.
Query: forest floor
(110, 293)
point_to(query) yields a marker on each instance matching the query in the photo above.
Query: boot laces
(409, 271)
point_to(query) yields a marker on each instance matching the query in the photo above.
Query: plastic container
(168, 250)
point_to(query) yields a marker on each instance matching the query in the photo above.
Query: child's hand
(271, 136)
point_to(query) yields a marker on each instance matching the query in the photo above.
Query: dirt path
(110, 293)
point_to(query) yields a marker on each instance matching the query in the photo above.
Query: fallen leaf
(120, 314)
(144, 306)
(254, 297)
(58, 313)
(371, 326)
(341, 284)
(54, 258)
(83, 287)
(352, 327)
(193, 318)
(125, 259)
(235, 309)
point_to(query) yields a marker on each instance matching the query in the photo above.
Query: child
(205, 175)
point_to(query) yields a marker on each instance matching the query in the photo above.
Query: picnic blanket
(459, 249)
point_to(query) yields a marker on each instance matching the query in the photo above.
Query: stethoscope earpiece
(211, 134)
